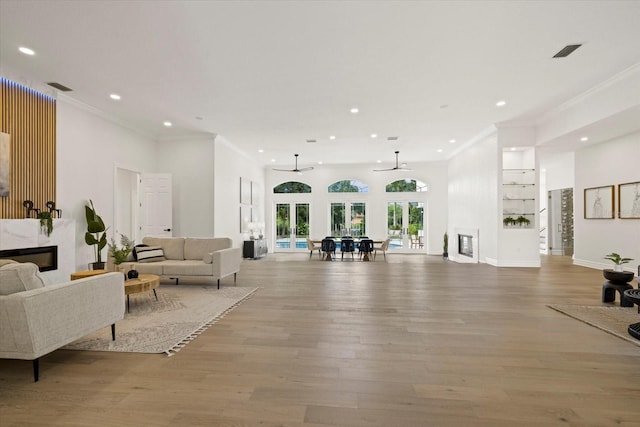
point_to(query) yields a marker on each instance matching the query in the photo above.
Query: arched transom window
(406, 186)
(292, 187)
(348, 186)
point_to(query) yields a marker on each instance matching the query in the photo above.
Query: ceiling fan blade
(310, 168)
(295, 169)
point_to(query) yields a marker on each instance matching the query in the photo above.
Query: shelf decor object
(629, 200)
(598, 202)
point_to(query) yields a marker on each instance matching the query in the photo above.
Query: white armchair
(39, 319)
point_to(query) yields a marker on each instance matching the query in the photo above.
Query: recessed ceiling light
(584, 138)
(168, 124)
(452, 141)
(501, 103)
(115, 96)
(374, 135)
(332, 137)
(261, 151)
(26, 50)
(513, 148)
(378, 161)
(320, 162)
(439, 150)
(354, 110)
(273, 160)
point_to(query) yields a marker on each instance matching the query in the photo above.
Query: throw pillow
(135, 250)
(150, 254)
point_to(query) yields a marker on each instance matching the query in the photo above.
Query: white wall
(190, 161)
(230, 165)
(472, 187)
(88, 147)
(609, 163)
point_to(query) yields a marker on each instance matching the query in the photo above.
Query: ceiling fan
(296, 168)
(396, 167)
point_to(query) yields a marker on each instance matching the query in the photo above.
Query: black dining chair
(328, 246)
(366, 247)
(347, 244)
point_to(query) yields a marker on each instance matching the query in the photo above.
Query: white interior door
(156, 205)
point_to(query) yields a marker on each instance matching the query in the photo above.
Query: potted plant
(445, 245)
(96, 234)
(121, 253)
(617, 261)
(46, 222)
(522, 221)
(509, 221)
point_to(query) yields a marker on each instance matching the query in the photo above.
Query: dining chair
(347, 244)
(383, 248)
(328, 246)
(312, 247)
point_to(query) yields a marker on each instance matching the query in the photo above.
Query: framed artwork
(598, 202)
(245, 218)
(5, 164)
(629, 200)
(245, 191)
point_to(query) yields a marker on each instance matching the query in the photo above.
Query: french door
(292, 226)
(348, 219)
(405, 226)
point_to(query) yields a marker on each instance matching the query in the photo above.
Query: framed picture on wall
(5, 164)
(245, 218)
(629, 200)
(245, 191)
(598, 202)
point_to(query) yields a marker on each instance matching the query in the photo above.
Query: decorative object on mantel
(51, 205)
(120, 254)
(93, 236)
(46, 222)
(445, 245)
(28, 205)
(617, 261)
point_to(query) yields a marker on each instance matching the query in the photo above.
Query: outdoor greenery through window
(348, 186)
(406, 186)
(292, 187)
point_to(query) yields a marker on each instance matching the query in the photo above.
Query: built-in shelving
(518, 198)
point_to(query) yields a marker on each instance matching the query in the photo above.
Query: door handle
(167, 229)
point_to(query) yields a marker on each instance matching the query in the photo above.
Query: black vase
(132, 274)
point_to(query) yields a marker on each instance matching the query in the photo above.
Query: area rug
(614, 320)
(165, 326)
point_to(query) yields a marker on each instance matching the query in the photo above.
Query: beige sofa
(187, 257)
(36, 319)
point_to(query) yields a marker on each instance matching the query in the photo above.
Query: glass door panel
(292, 226)
(358, 224)
(416, 224)
(395, 229)
(283, 226)
(338, 219)
(301, 226)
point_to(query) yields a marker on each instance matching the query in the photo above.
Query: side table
(617, 281)
(633, 295)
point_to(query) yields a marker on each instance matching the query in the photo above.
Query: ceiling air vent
(392, 138)
(311, 141)
(567, 50)
(59, 87)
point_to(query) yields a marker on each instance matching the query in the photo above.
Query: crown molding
(96, 111)
(550, 115)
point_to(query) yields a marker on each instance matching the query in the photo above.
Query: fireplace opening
(45, 257)
(465, 245)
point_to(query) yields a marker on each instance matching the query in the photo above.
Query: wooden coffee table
(143, 283)
(86, 273)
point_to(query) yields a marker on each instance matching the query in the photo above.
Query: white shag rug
(181, 313)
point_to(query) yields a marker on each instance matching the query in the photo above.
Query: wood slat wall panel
(30, 118)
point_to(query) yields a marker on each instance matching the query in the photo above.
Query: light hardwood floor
(414, 341)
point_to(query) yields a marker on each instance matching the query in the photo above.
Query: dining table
(365, 256)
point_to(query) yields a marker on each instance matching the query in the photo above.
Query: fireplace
(467, 241)
(45, 257)
(465, 245)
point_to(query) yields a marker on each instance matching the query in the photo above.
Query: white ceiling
(270, 75)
